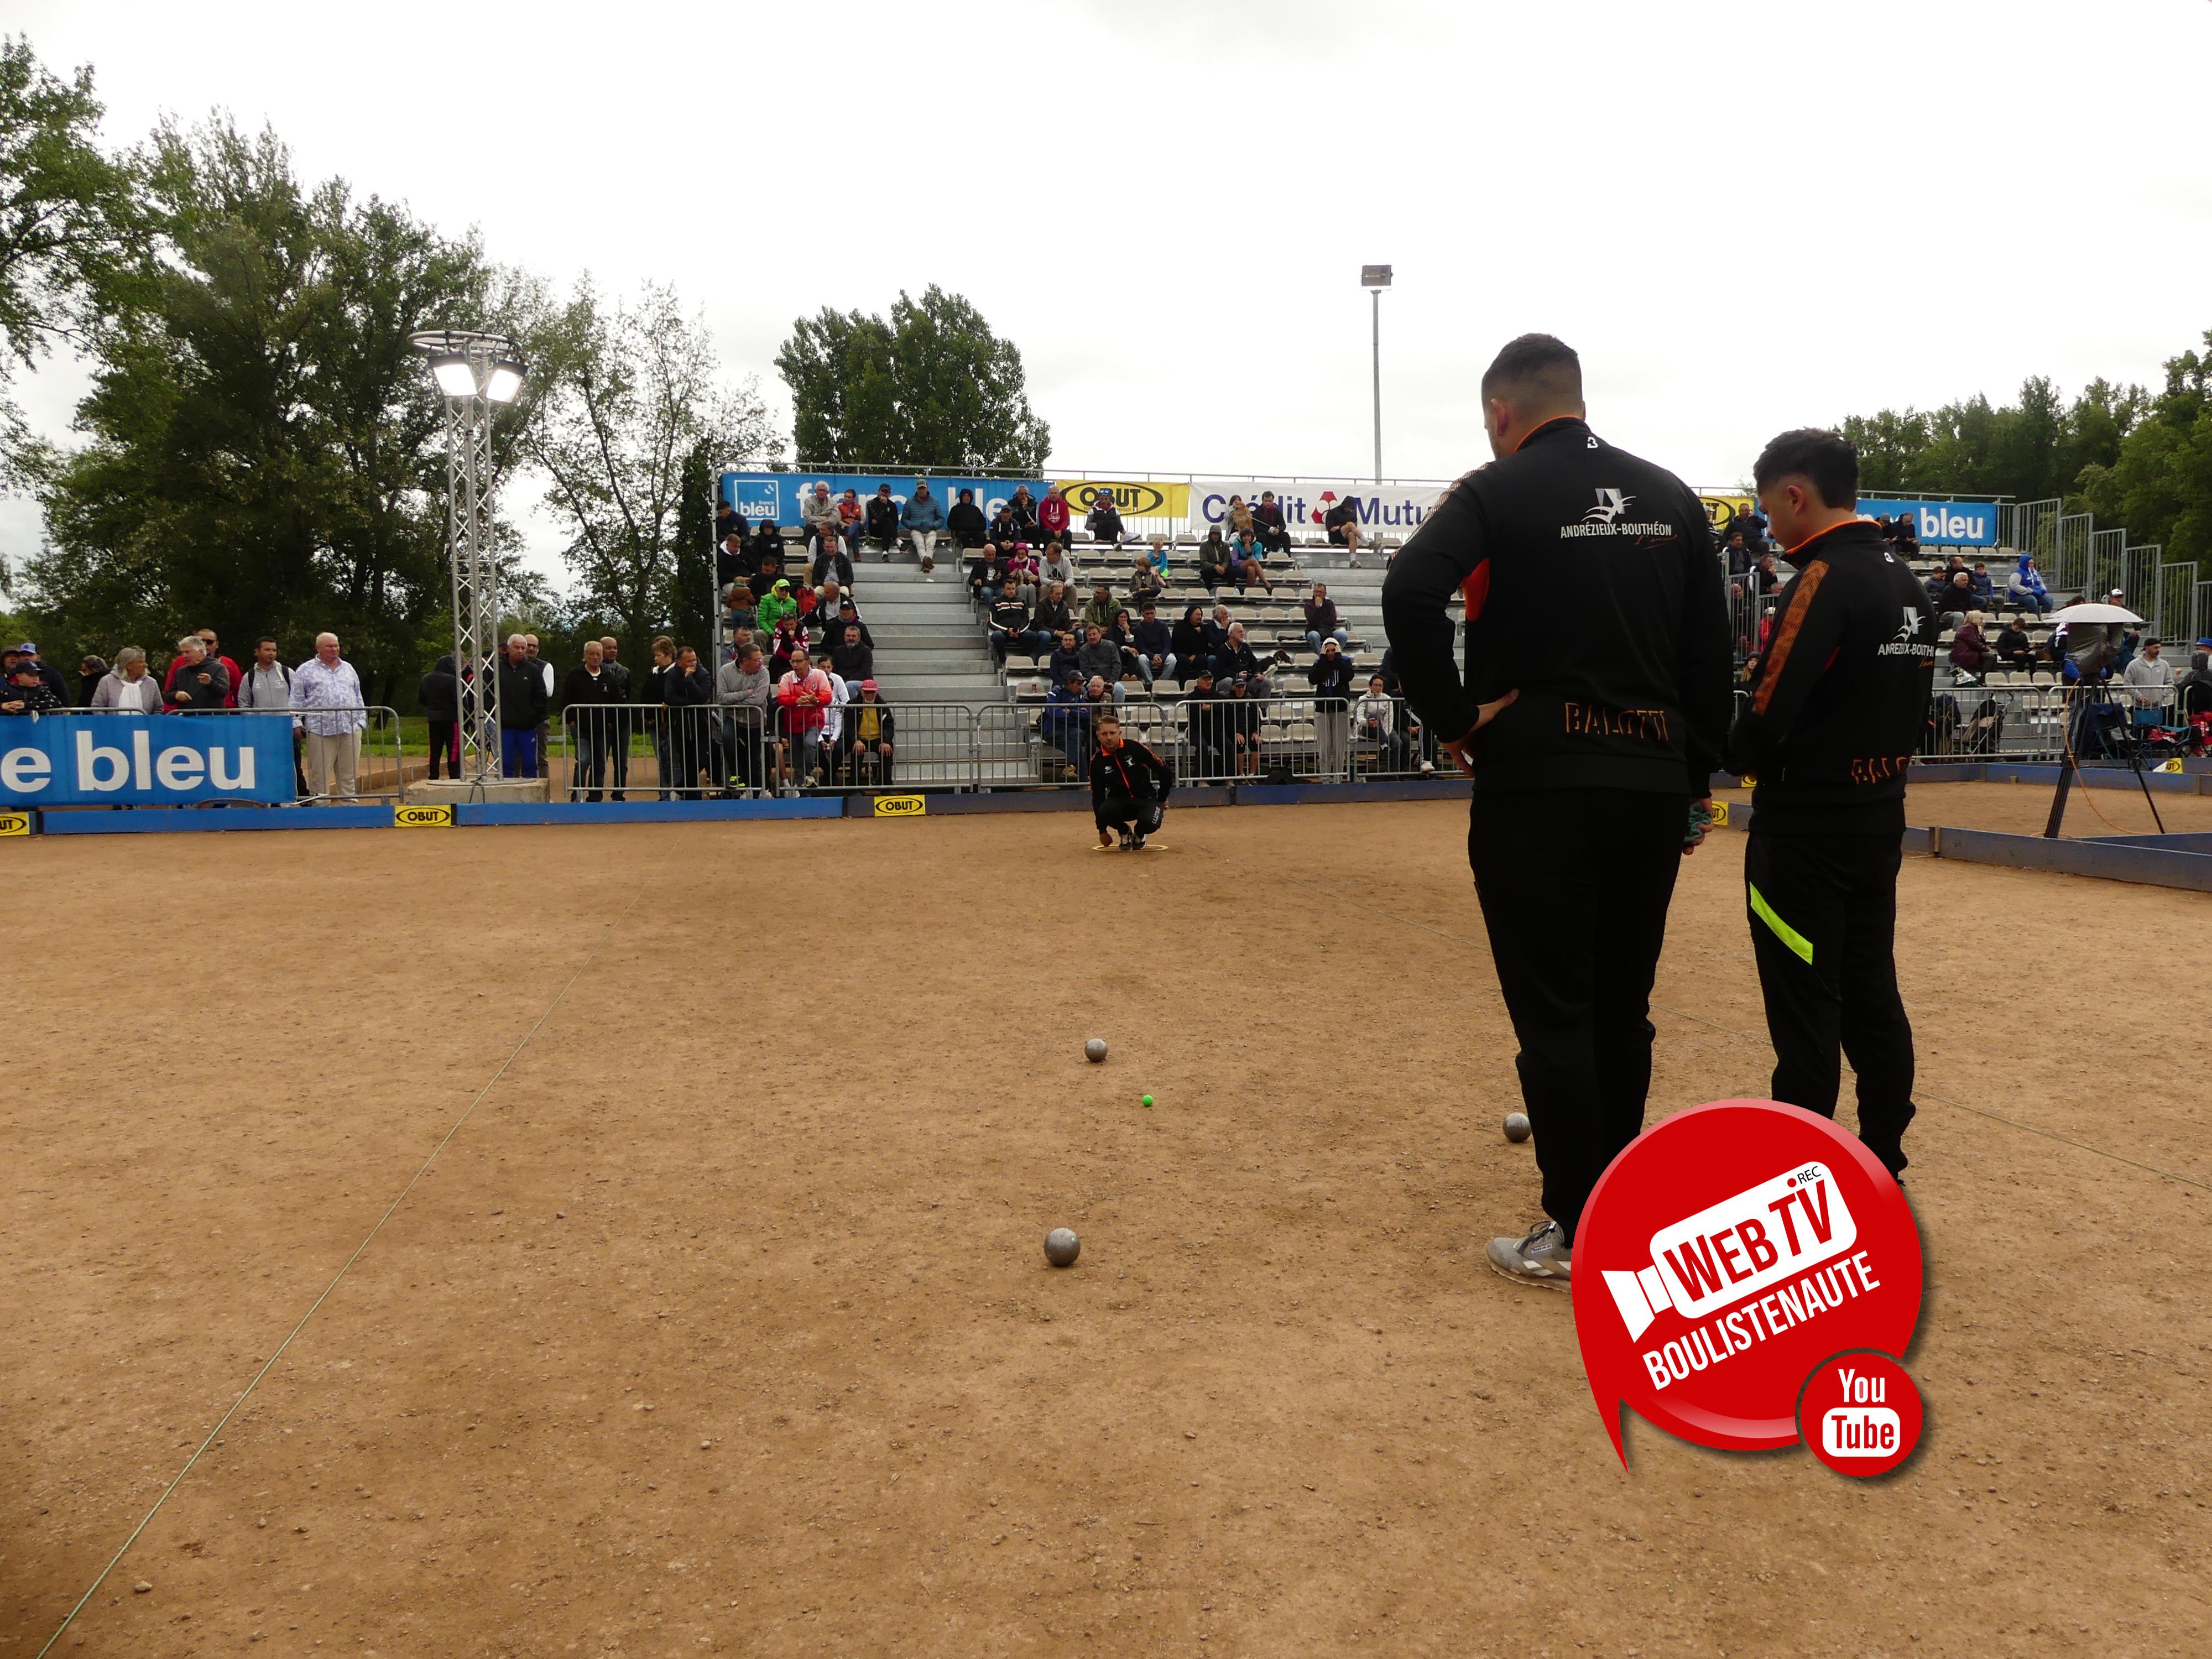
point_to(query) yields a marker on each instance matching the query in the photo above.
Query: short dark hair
(1535, 362)
(1826, 461)
(266, 639)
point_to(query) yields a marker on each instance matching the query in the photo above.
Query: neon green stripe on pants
(1783, 931)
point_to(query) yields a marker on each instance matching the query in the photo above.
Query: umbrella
(2092, 613)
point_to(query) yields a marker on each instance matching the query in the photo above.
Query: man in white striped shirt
(327, 706)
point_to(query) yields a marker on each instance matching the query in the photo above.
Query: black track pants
(1121, 812)
(1823, 927)
(1575, 885)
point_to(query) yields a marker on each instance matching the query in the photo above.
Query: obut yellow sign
(1136, 499)
(15, 824)
(901, 806)
(1722, 507)
(422, 818)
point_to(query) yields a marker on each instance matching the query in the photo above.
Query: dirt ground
(2023, 809)
(720, 1323)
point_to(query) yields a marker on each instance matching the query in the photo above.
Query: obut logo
(15, 824)
(900, 807)
(422, 818)
(1137, 501)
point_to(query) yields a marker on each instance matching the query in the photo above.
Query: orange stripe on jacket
(1476, 589)
(1786, 635)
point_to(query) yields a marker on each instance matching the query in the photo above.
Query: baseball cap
(870, 685)
(27, 649)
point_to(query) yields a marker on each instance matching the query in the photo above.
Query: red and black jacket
(1133, 770)
(1841, 700)
(1593, 588)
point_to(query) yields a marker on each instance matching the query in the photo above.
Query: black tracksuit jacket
(1593, 587)
(1841, 700)
(1131, 771)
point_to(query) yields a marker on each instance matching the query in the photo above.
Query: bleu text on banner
(144, 760)
(761, 495)
(1395, 510)
(1947, 524)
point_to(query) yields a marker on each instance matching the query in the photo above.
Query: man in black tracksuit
(1595, 705)
(1835, 716)
(1129, 785)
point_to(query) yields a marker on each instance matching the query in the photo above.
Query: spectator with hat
(1330, 675)
(2025, 588)
(49, 676)
(869, 727)
(881, 521)
(1206, 720)
(23, 692)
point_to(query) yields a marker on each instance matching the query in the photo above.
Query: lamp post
(477, 372)
(1375, 279)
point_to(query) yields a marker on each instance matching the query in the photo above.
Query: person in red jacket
(1053, 516)
(805, 695)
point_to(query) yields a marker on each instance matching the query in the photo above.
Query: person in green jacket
(775, 605)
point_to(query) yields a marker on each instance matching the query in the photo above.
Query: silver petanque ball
(1516, 1127)
(1061, 1247)
(1094, 1050)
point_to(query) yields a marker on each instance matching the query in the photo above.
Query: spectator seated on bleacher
(1241, 715)
(1268, 519)
(1156, 554)
(1985, 593)
(1237, 660)
(1055, 568)
(1953, 596)
(1341, 522)
(1065, 722)
(1154, 643)
(2014, 646)
(1213, 559)
(767, 544)
(987, 576)
(1005, 534)
(923, 519)
(882, 522)
(851, 659)
(788, 640)
(1104, 522)
(1021, 568)
(1011, 628)
(805, 695)
(965, 524)
(1098, 612)
(738, 608)
(827, 598)
(1122, 637)
(1052, 615)
(767, 574)
(1191, 640)
(775, 605)
(1970, 651)
(1098, 658)
(2025, 588)
(733, 559)
(1054, 518)
(1320, 619)
(1063, 663)
(869, 729)
(1022, 508)
(1375, 721)
(1207, 721)
(848, 616)
(1145, 583)
(1244, 563)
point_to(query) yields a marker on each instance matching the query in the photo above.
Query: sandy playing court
(720, 1323)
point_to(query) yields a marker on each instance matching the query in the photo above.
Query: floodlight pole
(470, 557)
(1375, 279)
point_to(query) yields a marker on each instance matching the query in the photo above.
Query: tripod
(2115, 735)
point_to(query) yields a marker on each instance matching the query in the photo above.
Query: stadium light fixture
(1375, 279)
(504, 384)
(454, 374)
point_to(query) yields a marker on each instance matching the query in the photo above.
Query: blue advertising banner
(760, 495)
(144, 760)
(1949, 523)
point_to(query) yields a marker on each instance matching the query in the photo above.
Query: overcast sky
(1745, 216)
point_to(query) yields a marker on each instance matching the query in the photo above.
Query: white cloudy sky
(1744, 215)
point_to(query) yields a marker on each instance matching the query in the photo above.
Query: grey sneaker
(1541, 1258)
(1128, 841)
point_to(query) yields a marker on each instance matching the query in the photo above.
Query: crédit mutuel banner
(1395, 510)
(144, 760)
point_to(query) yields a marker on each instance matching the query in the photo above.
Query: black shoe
(1130, 843)
(1137, 842)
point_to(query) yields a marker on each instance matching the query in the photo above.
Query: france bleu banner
(1947, 524)
(144, 760)
(759, 495)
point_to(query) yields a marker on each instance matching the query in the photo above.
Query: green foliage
(931, 387)
(628, 406)
(2136, 459)
(266, 453)
(66, 217)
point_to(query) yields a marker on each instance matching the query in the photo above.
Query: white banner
(1395, 510)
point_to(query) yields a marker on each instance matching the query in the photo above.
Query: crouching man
(1129, 784)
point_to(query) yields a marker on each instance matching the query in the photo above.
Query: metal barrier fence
(376, 769)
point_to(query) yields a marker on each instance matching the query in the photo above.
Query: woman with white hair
(128, 688)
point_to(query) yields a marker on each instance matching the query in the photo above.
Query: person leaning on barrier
(47, 671)
(624, 721)
(870, 728)
(1330, 675)
(588, 704)
(198, 685)
(327, 706)
(547, 679)
(654, 710)
(693, 747)
(746, 694)
(127, 688)
(804, 696)
(1207, 724)
(24, 692)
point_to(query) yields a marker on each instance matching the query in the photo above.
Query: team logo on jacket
(1908, 628)
(1608, 517)
(1905, 641)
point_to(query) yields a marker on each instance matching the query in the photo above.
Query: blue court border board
(143, 760)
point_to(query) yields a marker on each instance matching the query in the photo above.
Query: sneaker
(1428, 766)
(1137, 841)
(1541, 1258)
(1130, 842)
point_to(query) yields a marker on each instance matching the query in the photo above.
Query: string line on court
(390, 1209)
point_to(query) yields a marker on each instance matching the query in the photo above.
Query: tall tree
(266, 450)
(627, 398)
(2033, 449)
(932, 386)
(66, 217)
(2160, 483)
